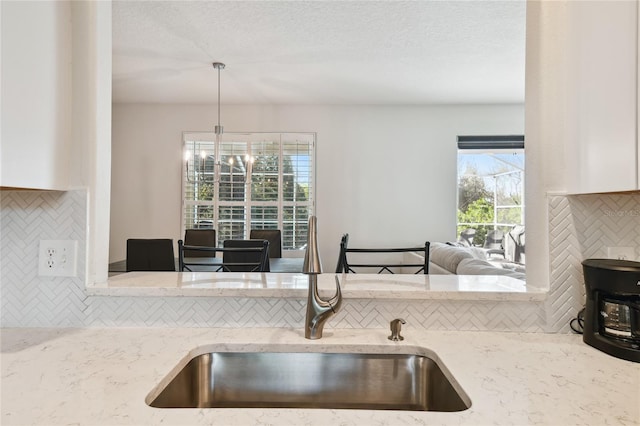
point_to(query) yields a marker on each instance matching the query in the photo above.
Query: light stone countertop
(102, 376)
(354, 286)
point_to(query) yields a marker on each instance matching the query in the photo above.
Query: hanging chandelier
(213, 175)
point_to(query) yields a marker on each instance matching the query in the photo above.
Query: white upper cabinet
(36, 94)
(602, 88)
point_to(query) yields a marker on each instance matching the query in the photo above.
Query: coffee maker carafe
(612, 311)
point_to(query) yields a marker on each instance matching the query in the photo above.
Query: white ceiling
(319, 52)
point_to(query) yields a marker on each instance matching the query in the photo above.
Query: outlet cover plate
(622, 253)
(58, 258)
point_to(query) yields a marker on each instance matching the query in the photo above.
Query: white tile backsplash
(26, 217)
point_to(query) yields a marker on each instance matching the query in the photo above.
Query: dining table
(211, 264)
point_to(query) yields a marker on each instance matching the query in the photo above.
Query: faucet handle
(396, 326)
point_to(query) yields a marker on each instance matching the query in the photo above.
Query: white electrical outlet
(58, 258)
(621, 253)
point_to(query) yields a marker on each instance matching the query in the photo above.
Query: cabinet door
(602, 84)
(36, 94)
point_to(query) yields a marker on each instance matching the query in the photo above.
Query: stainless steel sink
(372, 381)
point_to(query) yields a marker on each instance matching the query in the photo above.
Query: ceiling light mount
(219, 66)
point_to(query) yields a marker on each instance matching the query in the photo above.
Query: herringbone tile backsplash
(582, 227)
(579, 227)
(26, 217)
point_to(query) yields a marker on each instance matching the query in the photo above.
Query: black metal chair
(246, 255)
(199, 237)
(274, 236)
(150, 255)
(345, 266)
(342, 256)
(236, 257)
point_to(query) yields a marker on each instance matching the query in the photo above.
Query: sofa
(451, 258)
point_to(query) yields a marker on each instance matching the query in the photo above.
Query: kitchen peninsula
(207, 299)
(383, 286)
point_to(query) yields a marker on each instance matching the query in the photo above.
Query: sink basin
(371, 381)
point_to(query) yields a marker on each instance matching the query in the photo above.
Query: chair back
(494, 239)
(514, 244)
(245, 256)
(466, 237)
(342, 259)
(383, 267)
(274, 236)
(199, 237)
(494, 243)
(150, 255)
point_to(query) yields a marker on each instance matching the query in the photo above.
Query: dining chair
(245, 256)
(150, 255)
(345, 266)
(274, 236)
(205, 259)
(341, 256)
(199, 237)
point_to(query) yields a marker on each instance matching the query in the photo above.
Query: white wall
(385, 174)
(547, 126)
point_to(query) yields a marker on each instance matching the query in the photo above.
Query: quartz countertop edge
(101, 376)
(289, 285)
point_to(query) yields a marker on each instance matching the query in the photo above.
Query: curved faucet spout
(318, 310)
(336, 301)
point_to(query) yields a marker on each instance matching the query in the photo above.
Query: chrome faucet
(318, 310)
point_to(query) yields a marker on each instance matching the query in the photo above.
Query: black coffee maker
(612, 311)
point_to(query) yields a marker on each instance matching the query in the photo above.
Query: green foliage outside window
(479, 211)
(476, 206)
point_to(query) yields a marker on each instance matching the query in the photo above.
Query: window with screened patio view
(248, 181)
(491, 194)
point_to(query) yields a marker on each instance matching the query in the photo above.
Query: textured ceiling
(319, 52)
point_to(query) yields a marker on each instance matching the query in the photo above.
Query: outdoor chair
(514, 244)
(493, 243)
(466, 237)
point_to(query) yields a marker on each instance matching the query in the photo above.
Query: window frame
(251, 139)
(486, 144)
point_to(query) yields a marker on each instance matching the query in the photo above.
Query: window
(249, 181)
(490, 186)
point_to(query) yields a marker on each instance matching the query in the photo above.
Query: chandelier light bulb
(187, 155)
